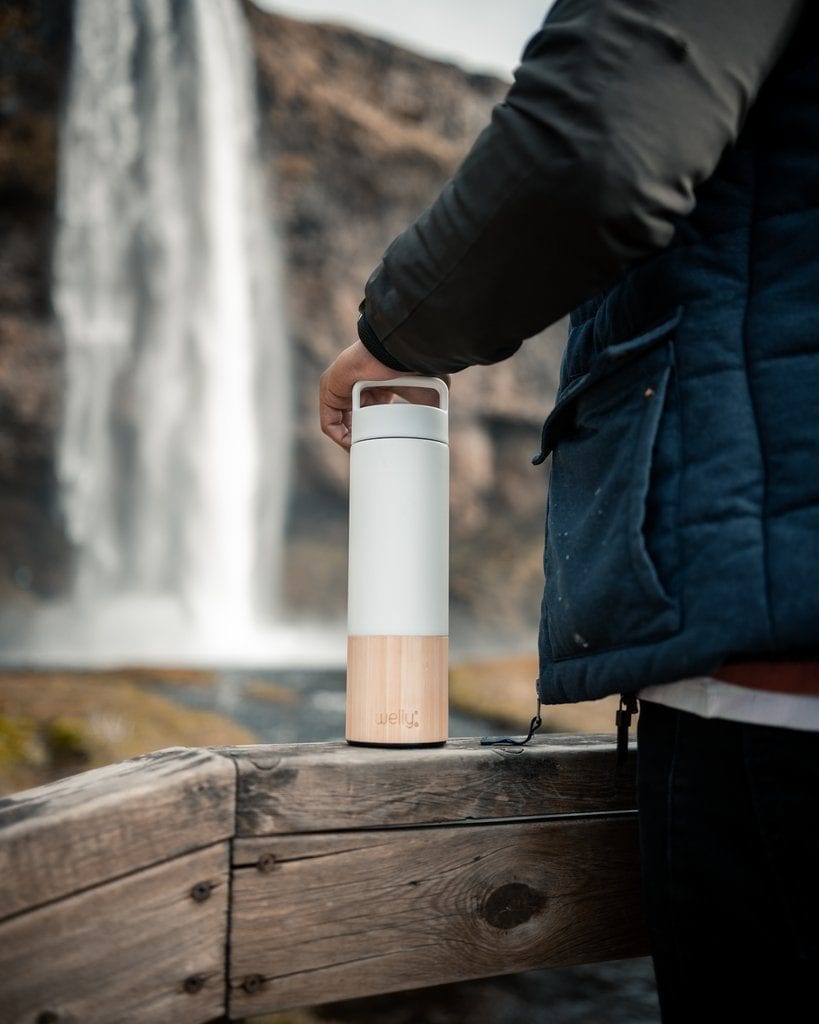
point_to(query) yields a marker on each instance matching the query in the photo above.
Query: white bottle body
(398, 577)
(398, 574)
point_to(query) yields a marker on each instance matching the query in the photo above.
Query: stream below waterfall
(288, 705)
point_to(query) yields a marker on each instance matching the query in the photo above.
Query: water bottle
(398, 579)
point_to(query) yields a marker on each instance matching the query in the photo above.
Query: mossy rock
(15, 736)
(68, 741)
(56, 724)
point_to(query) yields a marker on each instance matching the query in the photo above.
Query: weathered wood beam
(145, 949)
(59, 839)
(312, 787)
(355, 870)
(319, 918)
(363, 870)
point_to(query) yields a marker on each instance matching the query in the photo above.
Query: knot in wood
(511, 905)
(48, 1017)
(193, 984)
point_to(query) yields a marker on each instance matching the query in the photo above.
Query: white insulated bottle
(398, 578)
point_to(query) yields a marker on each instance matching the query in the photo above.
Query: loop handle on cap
(430, 383)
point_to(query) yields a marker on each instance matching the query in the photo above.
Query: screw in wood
(252, 983)
(195, 983)
(267, 862)
(201, 891)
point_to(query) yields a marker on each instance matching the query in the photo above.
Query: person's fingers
(422, 395)
(334, 411)
(377, 396)
(417, 396)
(336, 390)
(340, 434)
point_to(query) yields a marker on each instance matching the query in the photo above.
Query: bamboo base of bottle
(397, 690)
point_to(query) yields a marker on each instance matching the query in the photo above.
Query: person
(654, 172)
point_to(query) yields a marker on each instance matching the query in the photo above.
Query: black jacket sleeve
(618, 110)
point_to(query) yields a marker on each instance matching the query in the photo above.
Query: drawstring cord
(534, 725)
(629, 707)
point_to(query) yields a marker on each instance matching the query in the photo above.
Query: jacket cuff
(369, 340)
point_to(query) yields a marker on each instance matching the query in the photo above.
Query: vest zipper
(629, 707)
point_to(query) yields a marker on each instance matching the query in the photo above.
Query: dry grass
(56, 724)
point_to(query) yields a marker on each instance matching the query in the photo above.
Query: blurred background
(192, 195)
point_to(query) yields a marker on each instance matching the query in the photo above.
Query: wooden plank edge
(24, 830)
(525, 897)
(49, 969)
(335, 786)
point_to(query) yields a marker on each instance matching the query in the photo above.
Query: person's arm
(619, 109)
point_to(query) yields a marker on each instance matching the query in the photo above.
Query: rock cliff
(363, 135)
(360, 135)
(34, 36)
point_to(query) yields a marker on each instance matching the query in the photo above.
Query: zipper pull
(628, 708)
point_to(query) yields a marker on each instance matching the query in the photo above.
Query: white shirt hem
(713, 698)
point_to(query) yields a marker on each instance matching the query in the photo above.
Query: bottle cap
(401, 419)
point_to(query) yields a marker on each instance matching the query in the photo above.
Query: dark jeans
(729, 835)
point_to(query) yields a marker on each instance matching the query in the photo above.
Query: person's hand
(336, 390)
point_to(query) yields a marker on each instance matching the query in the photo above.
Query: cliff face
(34, 39)
(360, 136)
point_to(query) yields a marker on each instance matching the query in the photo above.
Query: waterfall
(173, 461)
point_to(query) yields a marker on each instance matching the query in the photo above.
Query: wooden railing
(193, 885)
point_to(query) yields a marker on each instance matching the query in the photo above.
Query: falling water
(173, 459)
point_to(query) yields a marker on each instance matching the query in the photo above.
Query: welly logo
(403, 717)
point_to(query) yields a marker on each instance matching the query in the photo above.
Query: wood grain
(356, 870)
(73, 834)
(397, 689)
(124, 952)
(311, 787)
(328, 917)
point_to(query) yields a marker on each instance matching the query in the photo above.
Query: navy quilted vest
(683, 514)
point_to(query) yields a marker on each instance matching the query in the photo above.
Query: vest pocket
(611, 531)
